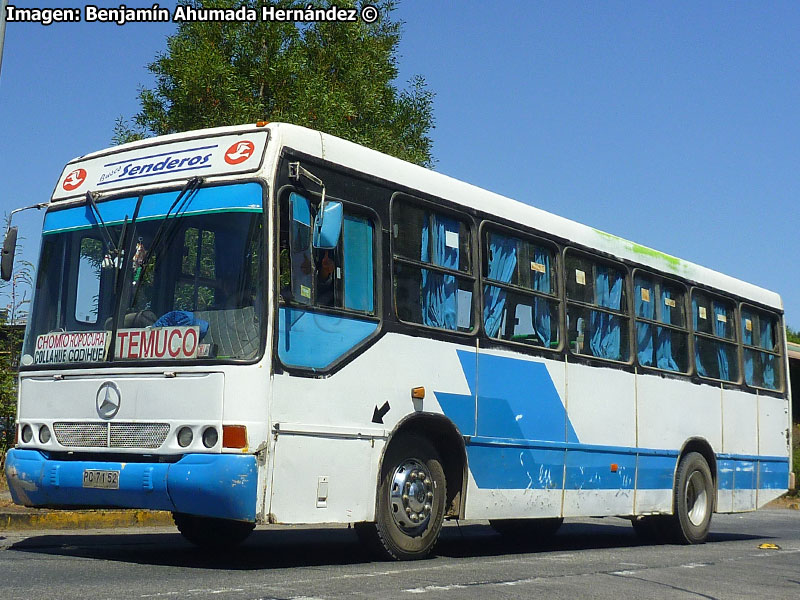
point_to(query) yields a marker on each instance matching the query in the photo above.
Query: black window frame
(736, 342)
(777, 353)
(350, 207)
(470, 275)
(658, 281)
(626, 312)
(558, 296)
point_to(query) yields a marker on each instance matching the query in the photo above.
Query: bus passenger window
(762, 360)
(519, 297)
(662, 338)
(596, 308)
(439, 294)
(715, 351)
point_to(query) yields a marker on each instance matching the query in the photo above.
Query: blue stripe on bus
(241, 197)
(513, 467)
(525, 439)
(725, 471)
(773, 475)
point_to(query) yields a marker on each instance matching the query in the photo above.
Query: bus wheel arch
(702, 447)
(449, 443)
(694, 493)
(419, 483)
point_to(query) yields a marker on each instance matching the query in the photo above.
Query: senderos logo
(239, 152)
(74, 180)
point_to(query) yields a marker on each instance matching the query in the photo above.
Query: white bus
(267, 324)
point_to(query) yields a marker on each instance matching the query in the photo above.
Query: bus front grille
(111, 435)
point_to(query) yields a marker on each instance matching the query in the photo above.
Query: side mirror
(328, 225)
(9, 250)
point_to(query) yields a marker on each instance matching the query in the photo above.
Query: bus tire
(211, 533)
(693, 500)
(411, 501)
(527, 530)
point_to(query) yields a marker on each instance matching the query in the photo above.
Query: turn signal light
(418, 393)
(234, 436)
(262, 123)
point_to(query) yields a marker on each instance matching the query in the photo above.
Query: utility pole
(3, 4)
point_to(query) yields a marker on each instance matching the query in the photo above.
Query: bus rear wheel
(208, 532)
(411, 501)
(693, 501)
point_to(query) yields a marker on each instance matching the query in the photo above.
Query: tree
(792, 335)
(334, 77)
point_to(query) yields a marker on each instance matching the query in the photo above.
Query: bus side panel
(671, 411)
(773, 448)
(326, 426)
(324, 479)
(601, 482)
(516, 461)
(739, 438)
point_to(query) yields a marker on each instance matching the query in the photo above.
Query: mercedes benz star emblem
(108, 400)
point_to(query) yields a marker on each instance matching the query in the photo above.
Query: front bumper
(211, 485)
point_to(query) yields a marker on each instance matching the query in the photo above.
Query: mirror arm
(296, 170)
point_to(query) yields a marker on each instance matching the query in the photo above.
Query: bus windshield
(151, 284)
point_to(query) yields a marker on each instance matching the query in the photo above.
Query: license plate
(104, 480)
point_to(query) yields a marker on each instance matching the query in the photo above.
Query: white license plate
(105, 480)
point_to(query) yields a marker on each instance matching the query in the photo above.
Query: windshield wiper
(165, 229)
(112, 249)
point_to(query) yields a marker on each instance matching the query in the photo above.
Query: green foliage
(334, 77)
(10, 345)
(792, 335)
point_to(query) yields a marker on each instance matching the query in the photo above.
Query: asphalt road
(589, 558)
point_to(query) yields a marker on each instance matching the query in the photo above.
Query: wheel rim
(411, 496)
(696, 498)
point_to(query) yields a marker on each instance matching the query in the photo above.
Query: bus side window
(438, 294)
(661, 330)
(596, 299)
(715, 351)
(519, 292)
(762, 360)
(340, 277)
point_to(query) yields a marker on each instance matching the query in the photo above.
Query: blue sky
(675, 125)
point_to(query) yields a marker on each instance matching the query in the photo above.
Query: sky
(675, 125)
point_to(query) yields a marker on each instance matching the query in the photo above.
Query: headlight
(27, 434)
(210, 437)
(44, 434)
(184, 437)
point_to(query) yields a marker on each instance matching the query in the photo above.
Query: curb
(84, 519)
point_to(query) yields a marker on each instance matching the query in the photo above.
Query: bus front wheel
(694, 500)
(411, 501)
(208, 532)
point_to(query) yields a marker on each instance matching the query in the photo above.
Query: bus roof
(377, 164)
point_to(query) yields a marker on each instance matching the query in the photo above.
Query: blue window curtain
(439, 302)
(719, 328)
(644, 331)
(542, 283)
(502, 262)
(605, 328)
(701, 369)
(767, 360)
(665, 359)
(358, 267)
(747, 339)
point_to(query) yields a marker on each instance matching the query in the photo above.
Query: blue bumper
(211, 485)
